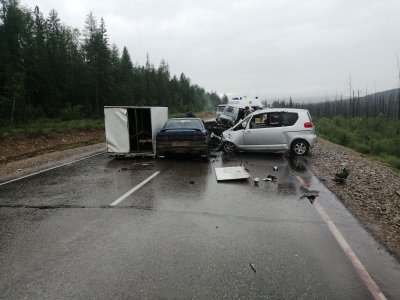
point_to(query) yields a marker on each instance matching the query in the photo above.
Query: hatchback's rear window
(289, 119)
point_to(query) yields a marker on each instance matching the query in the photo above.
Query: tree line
(385, 103)
(50, 70)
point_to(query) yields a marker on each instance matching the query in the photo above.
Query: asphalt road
(182, 234)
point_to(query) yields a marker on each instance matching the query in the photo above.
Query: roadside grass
(378, 137)
(46, 127)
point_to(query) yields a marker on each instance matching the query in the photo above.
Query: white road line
(52, 168)
(361, 270)
(365, 277)
(134, 189)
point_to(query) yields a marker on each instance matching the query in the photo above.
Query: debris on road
(253, 267)
(191, 182)
(270, 178)
(275, 168)
(256, 180)
(310, 194)
(143, 164)
(231, 173)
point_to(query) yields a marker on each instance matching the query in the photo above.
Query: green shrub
(72, 112)
(362, 148)
(391, 160)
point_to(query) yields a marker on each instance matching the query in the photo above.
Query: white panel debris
(231, 173)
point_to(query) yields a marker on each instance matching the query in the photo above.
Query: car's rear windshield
(183, 124)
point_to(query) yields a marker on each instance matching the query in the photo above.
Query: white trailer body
(132, 130)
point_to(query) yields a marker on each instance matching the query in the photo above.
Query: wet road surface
(182, 234)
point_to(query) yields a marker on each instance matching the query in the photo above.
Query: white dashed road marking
(134, 189)
(52, 168)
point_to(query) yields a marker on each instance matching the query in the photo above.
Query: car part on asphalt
(253, 267)
(309, 194)
(231, 173)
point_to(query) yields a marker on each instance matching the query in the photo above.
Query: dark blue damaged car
(183, 135)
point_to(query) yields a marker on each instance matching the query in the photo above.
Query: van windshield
(220, 108)
(229, 110)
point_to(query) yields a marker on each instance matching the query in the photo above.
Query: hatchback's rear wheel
(228, 147)
(300, 147)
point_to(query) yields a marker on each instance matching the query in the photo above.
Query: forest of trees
(50, 70)
(386, 104)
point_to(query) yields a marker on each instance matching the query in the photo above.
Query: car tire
(300, 147)
(228, 147)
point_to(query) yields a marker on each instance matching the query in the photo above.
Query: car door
(264, 132)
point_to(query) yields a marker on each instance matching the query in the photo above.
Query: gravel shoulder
(369, 193)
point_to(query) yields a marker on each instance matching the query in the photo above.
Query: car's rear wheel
(228, 147)
(300, 147)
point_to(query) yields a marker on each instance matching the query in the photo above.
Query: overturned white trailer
(132, 130)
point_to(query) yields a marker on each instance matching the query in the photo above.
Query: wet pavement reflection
(183, 234)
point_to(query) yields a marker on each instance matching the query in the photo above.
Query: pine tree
(12, 74)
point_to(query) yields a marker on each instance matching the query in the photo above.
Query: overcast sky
(265, 48)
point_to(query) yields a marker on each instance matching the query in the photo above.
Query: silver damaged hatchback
(272, 130)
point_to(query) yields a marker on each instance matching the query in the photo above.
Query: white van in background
(234, 110)
(246, 101)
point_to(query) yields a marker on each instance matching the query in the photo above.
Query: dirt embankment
(370, 192)
(21, 146)
(22, 155)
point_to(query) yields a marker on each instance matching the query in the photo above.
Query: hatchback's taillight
(308, 125)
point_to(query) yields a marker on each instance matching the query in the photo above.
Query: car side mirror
(244, 124)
